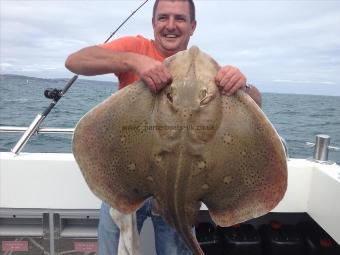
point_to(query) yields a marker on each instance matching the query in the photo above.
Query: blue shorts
(167, 242)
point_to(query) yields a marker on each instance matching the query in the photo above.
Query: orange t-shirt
(137, 44)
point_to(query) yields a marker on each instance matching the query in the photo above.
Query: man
(134, 58)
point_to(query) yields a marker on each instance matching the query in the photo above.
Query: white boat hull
(52, 182)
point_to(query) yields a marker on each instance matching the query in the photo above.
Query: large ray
(186, 145)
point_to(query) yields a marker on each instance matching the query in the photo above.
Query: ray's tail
(188, 236)
(181, 213)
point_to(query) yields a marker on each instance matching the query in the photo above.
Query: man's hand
(154, 74)
(229, 79)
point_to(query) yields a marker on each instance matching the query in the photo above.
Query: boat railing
(23, 141)
(13, 129)
(321, 146)
(285, 147)
(31, 130)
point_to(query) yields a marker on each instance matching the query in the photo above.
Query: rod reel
(53, 93)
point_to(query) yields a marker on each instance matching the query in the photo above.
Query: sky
(290, 46)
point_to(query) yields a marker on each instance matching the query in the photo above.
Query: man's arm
(255, 94)
(95, 60)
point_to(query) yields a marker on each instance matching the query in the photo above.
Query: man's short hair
(191, 8)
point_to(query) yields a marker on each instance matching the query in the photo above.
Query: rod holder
(321, 148)
(31, 130)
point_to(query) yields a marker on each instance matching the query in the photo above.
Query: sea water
(297, 118)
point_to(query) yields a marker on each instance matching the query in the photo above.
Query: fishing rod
(55, 95)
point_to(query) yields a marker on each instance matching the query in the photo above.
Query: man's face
(172, 26)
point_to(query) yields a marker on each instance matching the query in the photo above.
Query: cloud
(267, 40)
(303, 82)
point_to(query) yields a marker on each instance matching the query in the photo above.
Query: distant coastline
(263, 87)
(32, 79)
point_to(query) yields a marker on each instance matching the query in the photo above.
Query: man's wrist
(247, 87)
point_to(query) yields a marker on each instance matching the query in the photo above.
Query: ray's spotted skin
(186, 145)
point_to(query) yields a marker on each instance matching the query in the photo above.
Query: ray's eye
(203, 94)
(169, 96)
(204, 97)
